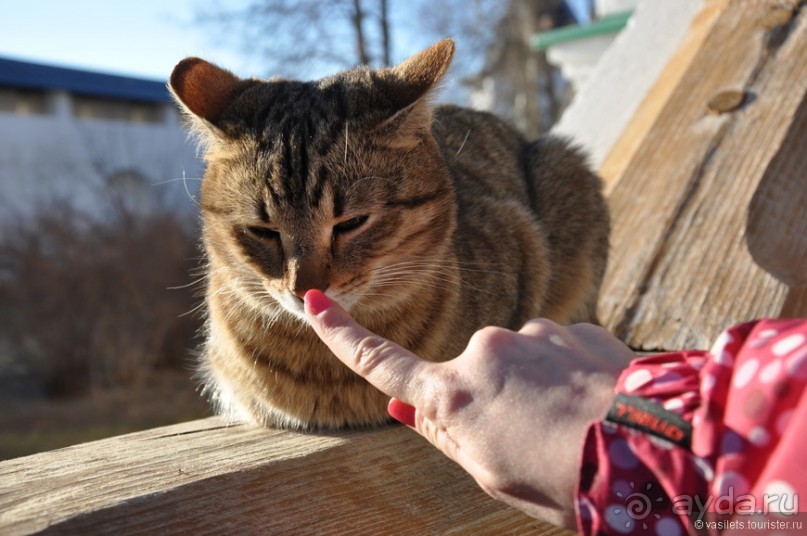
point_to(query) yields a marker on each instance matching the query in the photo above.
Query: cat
(426, 222)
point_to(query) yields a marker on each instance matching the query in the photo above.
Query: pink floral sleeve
(704, 442)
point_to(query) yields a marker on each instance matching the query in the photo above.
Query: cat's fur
(427, 224)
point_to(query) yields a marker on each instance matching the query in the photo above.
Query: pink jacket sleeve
(704, 442)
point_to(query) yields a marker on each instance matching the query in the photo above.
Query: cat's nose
(300, 292)
(306, 273)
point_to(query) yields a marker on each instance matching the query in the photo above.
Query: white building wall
(624, 74)
(45, 158)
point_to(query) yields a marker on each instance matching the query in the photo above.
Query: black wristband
(648, 417)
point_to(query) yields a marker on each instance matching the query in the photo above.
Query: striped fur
(426, 223)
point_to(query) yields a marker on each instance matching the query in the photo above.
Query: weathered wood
(204, 477)
(681, 269)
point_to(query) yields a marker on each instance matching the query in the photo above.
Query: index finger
(389, 367)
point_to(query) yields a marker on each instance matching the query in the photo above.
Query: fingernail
(401, 412)
(316, 301)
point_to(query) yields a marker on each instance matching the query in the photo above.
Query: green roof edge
(609, 24)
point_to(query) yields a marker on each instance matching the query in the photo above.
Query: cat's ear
(416, 76)
(408, 85)
(204, 90)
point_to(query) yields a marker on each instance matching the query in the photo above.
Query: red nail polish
(317, 301)
(401, 412)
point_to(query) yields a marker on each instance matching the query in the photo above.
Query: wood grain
(204, 477)
(680, 268)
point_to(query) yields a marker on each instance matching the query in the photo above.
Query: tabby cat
(426, 223)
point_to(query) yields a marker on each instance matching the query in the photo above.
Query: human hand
(512, 409)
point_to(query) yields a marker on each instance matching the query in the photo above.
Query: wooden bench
(708, 192)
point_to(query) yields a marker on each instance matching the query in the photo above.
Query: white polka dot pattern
(747, 405)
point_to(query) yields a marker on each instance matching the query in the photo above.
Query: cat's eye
(350, 225)
(262, 233)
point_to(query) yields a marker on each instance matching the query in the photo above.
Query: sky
(142, 38)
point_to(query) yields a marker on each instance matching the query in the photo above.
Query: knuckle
(493, 483)
(490, 336)
(444, 395)
(370, 352)
(589, 329)
(590, 334)
(541, 326)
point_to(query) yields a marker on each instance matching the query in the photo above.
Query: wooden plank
(680, 268)
(204, 477)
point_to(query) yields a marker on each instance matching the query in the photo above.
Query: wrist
(589, 405)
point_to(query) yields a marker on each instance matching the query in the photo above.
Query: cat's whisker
(188, 191)
(193, 310)
(346, 139)
(376, 295)
(460, 265)
(427, 280)
(431, 285)
(409, 277)
(188, 285)
(168, 181)
(415, 266)
(184, 180)
(437, 267)
(463, 142)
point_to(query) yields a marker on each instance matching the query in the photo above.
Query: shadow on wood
(776, 227)
(203, 477)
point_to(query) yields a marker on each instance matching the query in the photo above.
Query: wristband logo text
(648, 417)
(652, 422)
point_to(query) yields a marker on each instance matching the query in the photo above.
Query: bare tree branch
(301, 38)
(313, 38)
(385, 35)
(358, 27)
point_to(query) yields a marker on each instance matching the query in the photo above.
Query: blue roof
(28, 75)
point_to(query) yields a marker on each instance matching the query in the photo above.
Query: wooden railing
(205, 477)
